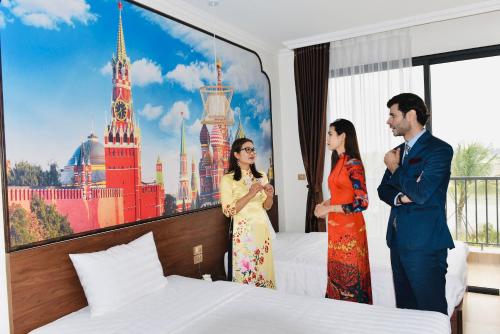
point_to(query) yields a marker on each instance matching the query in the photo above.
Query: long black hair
(351, 140)
(233, 162)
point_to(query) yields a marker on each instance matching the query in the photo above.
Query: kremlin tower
(159, 172)
(240, 133)
(122, 143)
(205, 168)
(195, 203)
(183, 202)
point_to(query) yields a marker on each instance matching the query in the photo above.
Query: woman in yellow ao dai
(245, 196)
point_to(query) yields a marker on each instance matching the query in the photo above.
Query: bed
(300, 268)
(47, 296)
(193, 306)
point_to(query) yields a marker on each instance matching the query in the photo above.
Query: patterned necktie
(407, 150)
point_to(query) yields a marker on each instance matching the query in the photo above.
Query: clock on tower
(120, 110)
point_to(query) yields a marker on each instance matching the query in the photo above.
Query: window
(461, 88)
(464, 101)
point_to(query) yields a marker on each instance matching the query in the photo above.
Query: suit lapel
(419, 146)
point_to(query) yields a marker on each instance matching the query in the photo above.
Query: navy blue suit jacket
(423, 177)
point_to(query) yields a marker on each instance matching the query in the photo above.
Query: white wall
(294, 194)
(457, 34)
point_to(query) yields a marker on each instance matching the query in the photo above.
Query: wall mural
(114, 113)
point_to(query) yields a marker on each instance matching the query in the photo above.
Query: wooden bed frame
(43, 285)
(457, 320)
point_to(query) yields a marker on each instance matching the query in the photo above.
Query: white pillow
(119, 275)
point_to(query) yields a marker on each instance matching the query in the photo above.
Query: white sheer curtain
(365, 72)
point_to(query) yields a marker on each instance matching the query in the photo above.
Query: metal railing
(472, 204)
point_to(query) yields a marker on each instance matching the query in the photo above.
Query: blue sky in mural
(57, 81)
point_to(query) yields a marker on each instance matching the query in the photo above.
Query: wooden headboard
(43, 285)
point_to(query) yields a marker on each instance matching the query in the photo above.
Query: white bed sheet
(300, 268)
(194, 306)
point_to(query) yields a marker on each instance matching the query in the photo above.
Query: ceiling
(277, 21)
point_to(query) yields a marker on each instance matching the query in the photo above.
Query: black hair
(351, 140)
(409, 101)
(233, 162)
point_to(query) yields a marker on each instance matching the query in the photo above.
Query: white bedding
(300, 268)
(193, 306)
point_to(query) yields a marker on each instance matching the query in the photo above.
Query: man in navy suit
(415, 185)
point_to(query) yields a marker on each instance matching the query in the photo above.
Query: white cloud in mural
(39, 20)
(265, 126)
(257, 106)
(241, 68)
(50, 14)
(145, 71)
(242, 78)
(151, 112)
(195, 128)
(191, 76)
(171, 121)
(106, 69)
(2, 20)
(181, 54)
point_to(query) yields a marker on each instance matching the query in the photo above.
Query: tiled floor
(481, 313)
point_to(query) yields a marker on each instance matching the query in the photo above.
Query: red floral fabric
(348, 264)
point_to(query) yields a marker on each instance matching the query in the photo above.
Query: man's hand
(391, 160)
(405, 199)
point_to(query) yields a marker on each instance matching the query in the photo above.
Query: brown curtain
(311, 85)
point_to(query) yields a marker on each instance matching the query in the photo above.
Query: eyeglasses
(249, 150)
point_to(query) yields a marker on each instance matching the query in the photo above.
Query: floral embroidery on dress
(229, 210)
(357, 177)
(347, 283)
(248, 178)
(249, 258)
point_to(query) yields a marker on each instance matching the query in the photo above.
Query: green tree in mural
(25, 174)
(472, 159)
(170, 205)
(21, 231)
(50, 178)
(52, 222)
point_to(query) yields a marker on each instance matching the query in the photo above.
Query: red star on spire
(120, 6)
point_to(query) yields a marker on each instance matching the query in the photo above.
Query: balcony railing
(472, 209)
